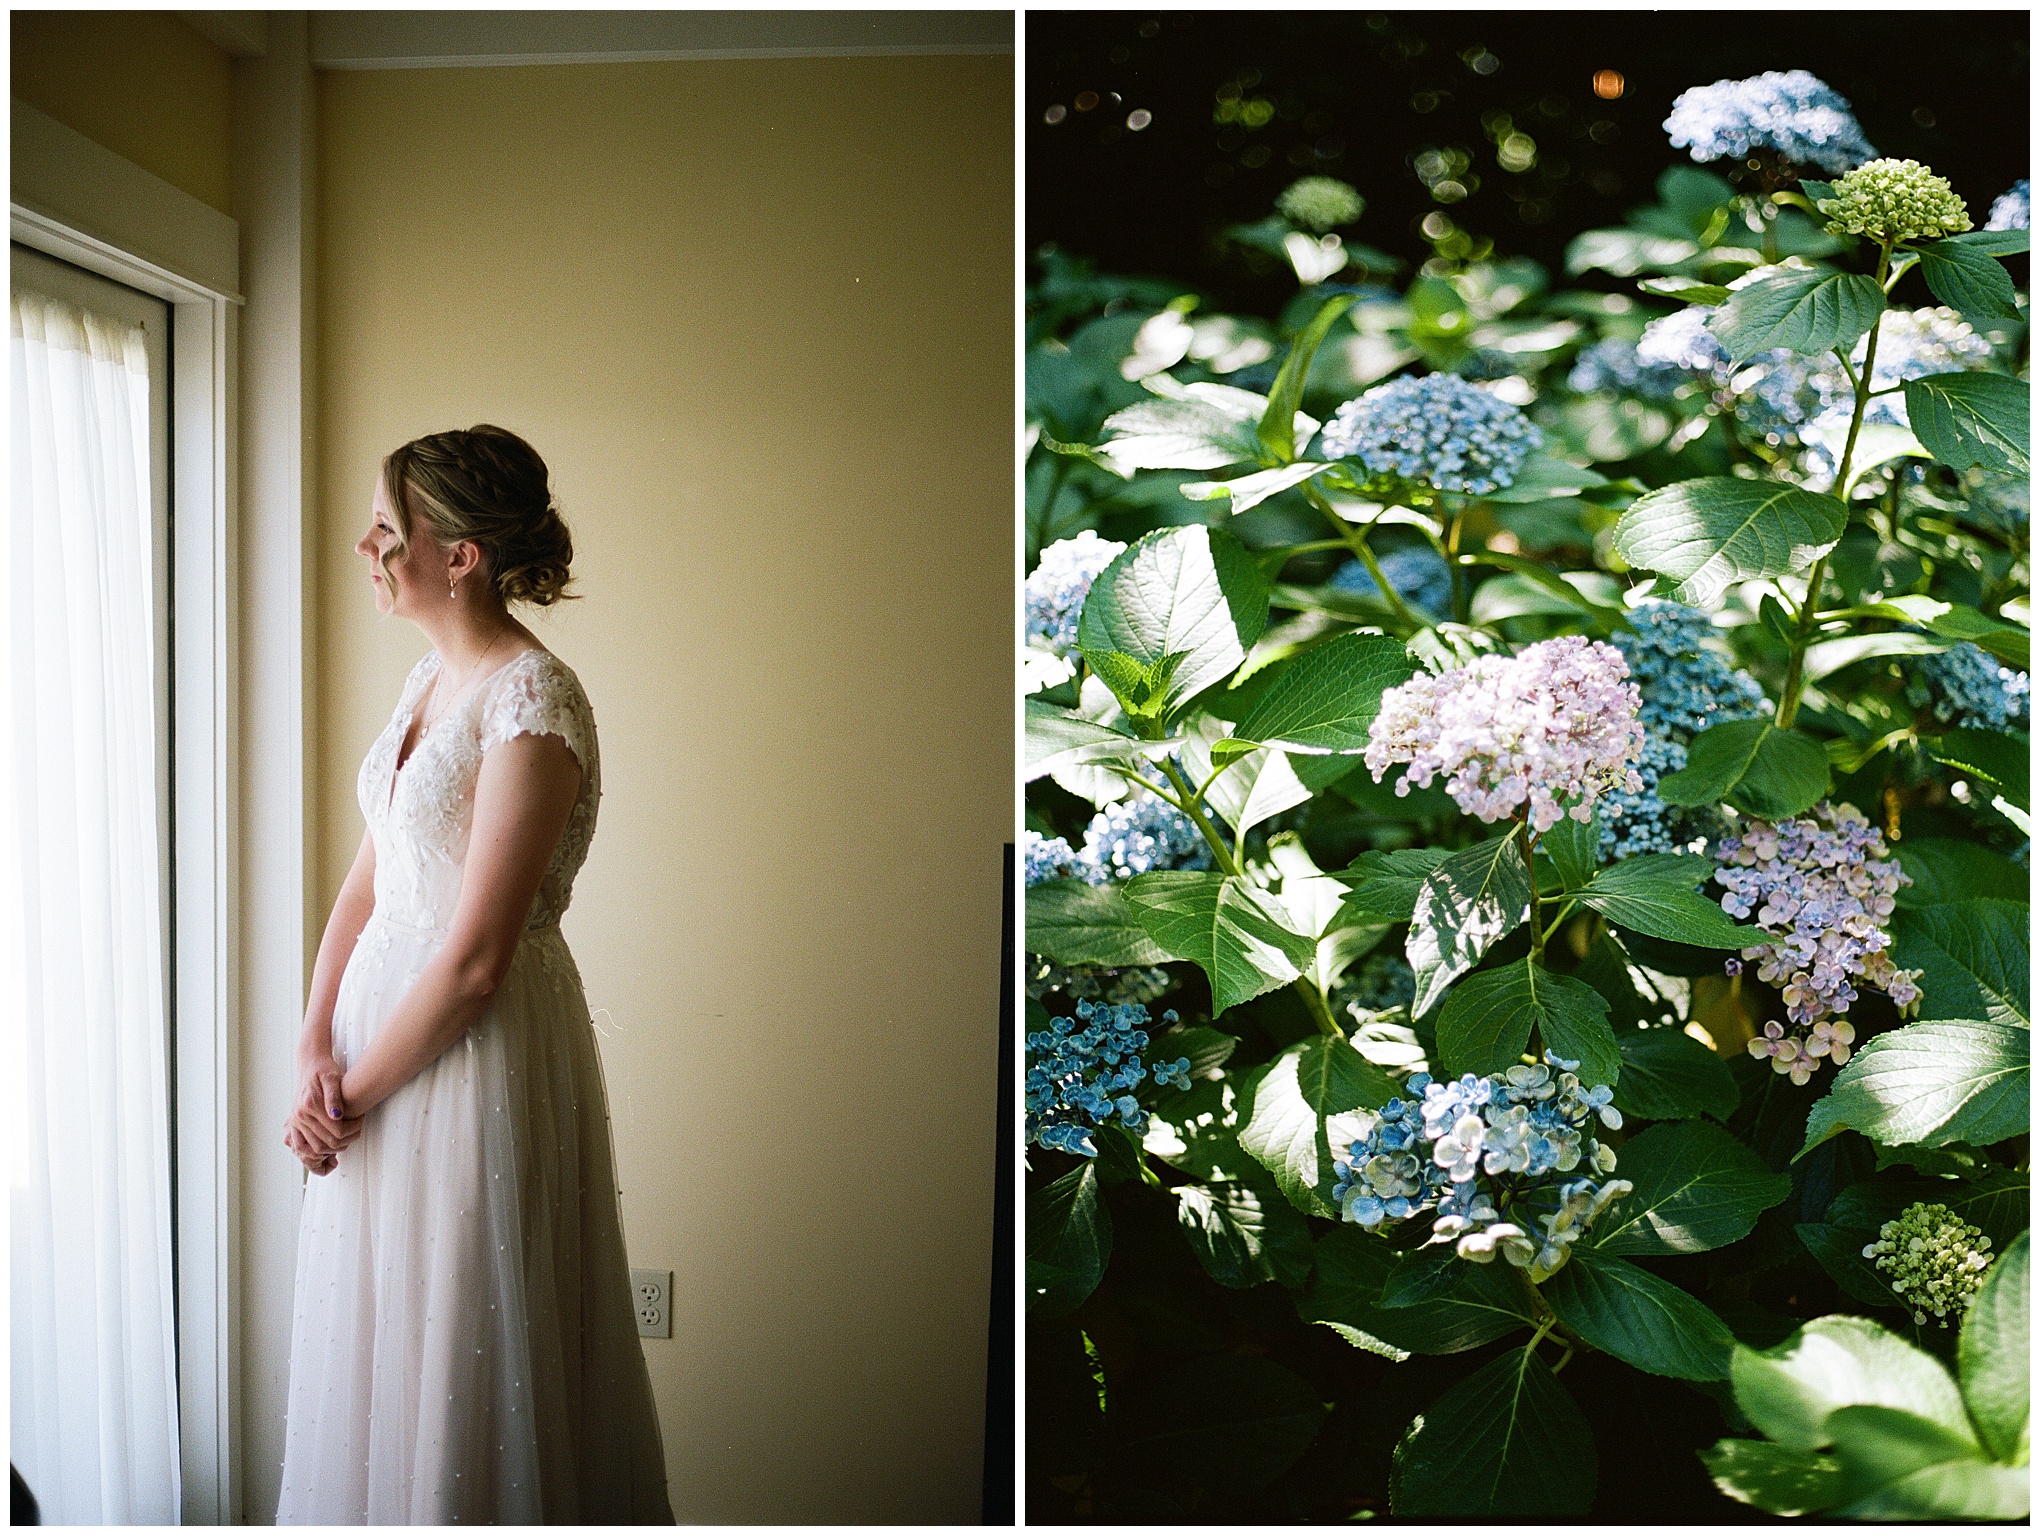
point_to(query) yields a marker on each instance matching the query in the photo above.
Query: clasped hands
(319, 1128)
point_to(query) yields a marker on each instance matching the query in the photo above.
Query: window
(85, 881)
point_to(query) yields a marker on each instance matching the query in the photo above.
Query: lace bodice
(422, 814)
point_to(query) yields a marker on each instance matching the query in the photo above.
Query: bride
(464, 1348)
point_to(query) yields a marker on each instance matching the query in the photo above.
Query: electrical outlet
(651, 1297)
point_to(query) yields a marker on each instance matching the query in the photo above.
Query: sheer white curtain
(93, 1352)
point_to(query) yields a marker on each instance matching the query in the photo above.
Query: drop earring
(451, 594)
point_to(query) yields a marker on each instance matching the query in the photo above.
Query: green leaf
(1325, 699)
(1574, 848)
(1807, 311)
(1507, 1442)
(1277, 429)
(1058, 739)
(1230, 1422)
(1473, 898)
(1194, 591)
(1706, 534)
(1685, 289)
(1668, 1075)
(1232, 929)
(1257, 784)
(1209, 427)
(1774, 1477)
(1961, 1080)
(1250, 490)
(1899, 1466)
(1484, 1302)
(1654, 894)
(1697, 1188)
(1487, 1019)
(1945, 869)
(1995, 242)
(2002, 757)
(1285, 1129)
(1830, 656)
(1973, 418)
(1754, 766)
(1420, 1274)
(1631, 1314)
(1542, 477)
(1834, 1362)
(1974, 955)
(1074, 923)
(1069, 1239)
(1387, 882)
(1995, 1355)
(1965, 278)
(1244, 1233)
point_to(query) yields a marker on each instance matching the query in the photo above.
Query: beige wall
(758, 316)
(140, 83)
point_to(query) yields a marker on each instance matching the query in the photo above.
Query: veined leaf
(1631, 1314)
(1957, 1080)
(1973, 418)
(1488, 1017)
(1834, 1362)
(1484, 1303)
(2002, 757)
(1325, 700)
(1947, 869)
(1385, 882)
(1752, 765)
(1996, 1354)
(1193, 591)
(1974, 956)
(1774, 1477)
(1069, 1239)
(1508, 1442)
(1668, 1075)
(1277, 430)
(1968, 279)
(1285, 1132)
(1207, 427)
(1074, 923)
(1231, 928)
(1706, 534)
(1473, 898)
(1697, 1188)
(1250, 490)
(1654, 895)
(1805, 310)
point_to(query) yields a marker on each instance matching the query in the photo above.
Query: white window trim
(74, 200)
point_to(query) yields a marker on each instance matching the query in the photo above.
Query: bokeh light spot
(1608, 84)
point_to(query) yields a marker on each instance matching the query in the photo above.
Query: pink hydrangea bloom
(1824, 885)
(1552, 728)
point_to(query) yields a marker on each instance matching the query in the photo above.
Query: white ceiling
(454, 39)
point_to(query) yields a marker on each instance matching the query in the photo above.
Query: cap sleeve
(537, 695)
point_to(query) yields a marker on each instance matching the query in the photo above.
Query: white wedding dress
(464, 1348)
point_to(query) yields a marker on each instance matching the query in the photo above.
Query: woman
(464, 1347)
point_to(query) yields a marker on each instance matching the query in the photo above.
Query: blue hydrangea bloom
(2014, 209)
(1139, 834)
(1049, 858)
(1382, 981)
(1613, 366)
(1494, 1157)
(1682, 341)
(1082, 1073)
(1058, 585)
(1686, 687)
(1438, 429)
(1968, 687)
(1776, 392)
(1789, 111)
(1417, 571)
(1641, 822)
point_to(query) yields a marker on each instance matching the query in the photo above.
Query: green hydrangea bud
(1320, 203)
(1933, 1258)
(1895, 200)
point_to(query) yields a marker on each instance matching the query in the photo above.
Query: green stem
(1563, 913)
(1537, 935)
(1459, 592)
(1562, 1360)
(1795, 672)
(1356, 541)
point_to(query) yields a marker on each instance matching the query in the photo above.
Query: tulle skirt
(464, 1348)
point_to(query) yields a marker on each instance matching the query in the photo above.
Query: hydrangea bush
(1557, 759)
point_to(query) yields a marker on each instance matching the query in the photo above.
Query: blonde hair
(488, 485)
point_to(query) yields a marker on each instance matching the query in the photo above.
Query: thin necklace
(467, 677)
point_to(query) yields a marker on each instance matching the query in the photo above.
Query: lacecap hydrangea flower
(1491, 1155)
(1320, 203)
(1933, 1258)
(1060, 582)
(1049, 858)
(1823, 885)
(1437, 429)
(1418, 572)
(1968, 687)
(1895, 200)
(1615, 366)
(1791, 112)
(1140, 834)
(2013, 209)
(1553, 728)
(1082, 1073)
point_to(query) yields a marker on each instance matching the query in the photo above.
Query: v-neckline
(415, 722)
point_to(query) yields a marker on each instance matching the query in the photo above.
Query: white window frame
(74, 200)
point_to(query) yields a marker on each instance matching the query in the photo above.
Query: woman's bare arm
(319, 1125)
(523, 797)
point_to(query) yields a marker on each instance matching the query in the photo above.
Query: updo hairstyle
(488, 485)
